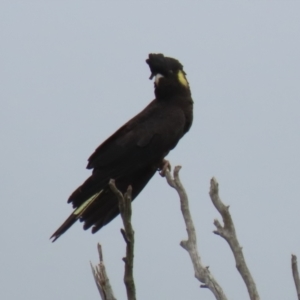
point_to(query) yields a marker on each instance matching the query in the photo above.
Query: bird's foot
(165, 165)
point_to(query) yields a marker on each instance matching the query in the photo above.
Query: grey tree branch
(101, 278)
(296, 274)
(128, 235)
(228, 233)
(202, 273)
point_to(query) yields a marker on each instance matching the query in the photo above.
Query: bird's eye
(157, 77)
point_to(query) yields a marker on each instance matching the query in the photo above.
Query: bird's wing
(146, 138)
(142, 142)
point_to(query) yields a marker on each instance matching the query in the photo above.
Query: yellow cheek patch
(182, 79)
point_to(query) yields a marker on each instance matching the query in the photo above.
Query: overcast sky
(72, 72)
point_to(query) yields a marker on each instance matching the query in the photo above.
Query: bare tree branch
(128, 235)
(296, 274)
(101, 278)
(228, 233)
(190, 245)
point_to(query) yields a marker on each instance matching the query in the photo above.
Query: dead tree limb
(202, 273)
(101, 278)
(296, 274)
(228, 233)
(128, 235)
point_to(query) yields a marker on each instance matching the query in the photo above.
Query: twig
(228, 233)
(128, 235)
(190, 245)
(296, 274)
(101, 278)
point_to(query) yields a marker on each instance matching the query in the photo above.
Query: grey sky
(72, 72)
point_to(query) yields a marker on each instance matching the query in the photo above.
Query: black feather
(133, 153)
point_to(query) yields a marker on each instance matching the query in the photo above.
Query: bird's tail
(76, 214)
(64, 227)
(99, 209)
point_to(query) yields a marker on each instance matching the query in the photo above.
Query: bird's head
(170, 78)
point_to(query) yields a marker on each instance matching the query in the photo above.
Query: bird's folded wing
(145, 139)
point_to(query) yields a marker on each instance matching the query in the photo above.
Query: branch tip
(214, 184)
(101, 278)
(100, 252)
(296, 274)
(176, 171)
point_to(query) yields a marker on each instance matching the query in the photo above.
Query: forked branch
(128, 235)
(202, 273)
(228, 233)
(99, 271)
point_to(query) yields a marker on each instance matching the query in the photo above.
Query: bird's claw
(165, 166)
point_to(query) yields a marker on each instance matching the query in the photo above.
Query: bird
(137, 150)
